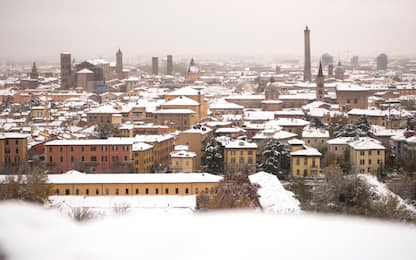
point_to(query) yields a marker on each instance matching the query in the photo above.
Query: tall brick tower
(169, 65)
(320, 88)
(119, 64)
(34, 74)
(66, 71)
(155, 65)
(307, 75)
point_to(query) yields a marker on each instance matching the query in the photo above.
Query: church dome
(339, 68)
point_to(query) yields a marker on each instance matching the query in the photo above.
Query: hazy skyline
(42, 29)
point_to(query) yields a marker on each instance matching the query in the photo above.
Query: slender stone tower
(155, 65)
(320, 88)
(169, 65)
(66, 71)
(34, 74)
(307, 75)
(119, 64)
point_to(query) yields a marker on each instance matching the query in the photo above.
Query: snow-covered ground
(274, 198)
(130, 205)
(33, 232)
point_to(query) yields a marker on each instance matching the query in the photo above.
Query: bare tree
(121, 208)
(82, 214)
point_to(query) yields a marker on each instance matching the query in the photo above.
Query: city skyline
(184, 28)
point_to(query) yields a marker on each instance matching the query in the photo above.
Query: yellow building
(183, 161)
(393, 118)
(192, 93)
(182, 102)
(305, 161)
(38, 111)
(367, 155)
(240, 157)
(162, 147)
(77, 183)
(196, 139)
(183, 118)
(104, 116)
(315, 137)
(143, 157)
(338, 146)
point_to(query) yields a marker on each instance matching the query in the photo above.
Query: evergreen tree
(275, 159)
(316, 122)
(348, 130)
(363, 125)
(213, 158)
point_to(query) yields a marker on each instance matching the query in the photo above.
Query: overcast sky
(41, 29)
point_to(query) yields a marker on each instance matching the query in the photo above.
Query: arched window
(166, 190)
(77, 191)
(186, 191)
(157, 191)
(117, 192)
(97, 192)
(137, 191)
(147, 191)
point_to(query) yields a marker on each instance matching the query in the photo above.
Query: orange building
(91, 155)
(13, 149)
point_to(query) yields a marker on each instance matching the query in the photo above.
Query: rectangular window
(250, 152)
(93, 148)
(93, 158)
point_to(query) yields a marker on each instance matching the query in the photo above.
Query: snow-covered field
(33, 232)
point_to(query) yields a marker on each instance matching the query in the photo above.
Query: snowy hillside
(31, 232)
(274, 198)
(381, 189)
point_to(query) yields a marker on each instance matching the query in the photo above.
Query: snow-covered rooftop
(181, 101)
(79, 177)
(308, 151)
(239, 144)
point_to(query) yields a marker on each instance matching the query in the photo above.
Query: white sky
(41, 29)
